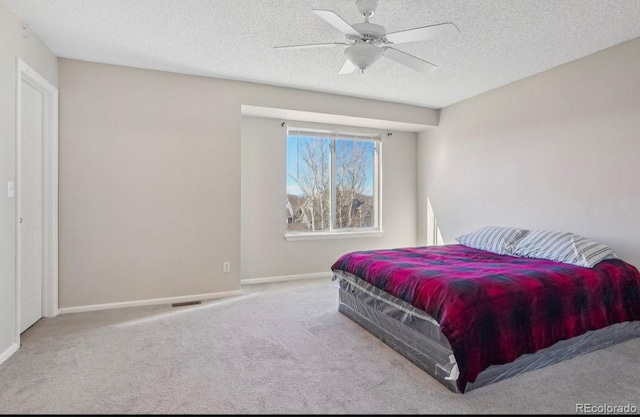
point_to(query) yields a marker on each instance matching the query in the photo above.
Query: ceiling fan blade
(423, 33)
(347, 67)
(311, 45)
(339, 23)
(409, 60)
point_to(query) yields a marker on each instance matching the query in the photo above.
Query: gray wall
(24, 44)
(150, 172)
(266, 253)
(558, 151)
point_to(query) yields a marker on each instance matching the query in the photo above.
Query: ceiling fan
(367, 42)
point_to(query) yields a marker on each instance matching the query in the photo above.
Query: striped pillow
(496, 239)
(562, 247)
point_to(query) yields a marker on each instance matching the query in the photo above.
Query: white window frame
(333, 131)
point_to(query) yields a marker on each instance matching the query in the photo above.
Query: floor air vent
(188, 303)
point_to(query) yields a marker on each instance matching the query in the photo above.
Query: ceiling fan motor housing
(370, 31)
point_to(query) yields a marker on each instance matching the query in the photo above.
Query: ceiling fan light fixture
(363, 54)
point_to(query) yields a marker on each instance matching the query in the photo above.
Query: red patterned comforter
(494, 308)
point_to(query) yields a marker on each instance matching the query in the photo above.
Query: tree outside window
(332, 181)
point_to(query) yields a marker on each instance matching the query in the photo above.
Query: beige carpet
(280, 348)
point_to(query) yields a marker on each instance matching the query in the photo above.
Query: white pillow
(562, 247)
(496, 239)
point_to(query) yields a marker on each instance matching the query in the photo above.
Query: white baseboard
(8, 352)
(154, 301)
(285, 278)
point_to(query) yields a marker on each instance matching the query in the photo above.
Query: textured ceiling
(501, 41)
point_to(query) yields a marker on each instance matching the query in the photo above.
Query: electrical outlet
(226, 267)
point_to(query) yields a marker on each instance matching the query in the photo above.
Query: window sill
(333, 235)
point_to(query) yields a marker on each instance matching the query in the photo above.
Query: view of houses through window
(332, 181)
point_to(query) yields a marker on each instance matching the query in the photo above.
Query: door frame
(50, 190)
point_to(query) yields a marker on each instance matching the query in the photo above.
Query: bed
(470, 317)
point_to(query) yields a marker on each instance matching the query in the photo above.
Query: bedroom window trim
(332, 235)
(334, 133)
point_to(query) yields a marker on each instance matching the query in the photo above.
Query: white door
(30, 192)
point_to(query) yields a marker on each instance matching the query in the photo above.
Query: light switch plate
(10, 189)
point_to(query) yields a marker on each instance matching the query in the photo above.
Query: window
(333, 182)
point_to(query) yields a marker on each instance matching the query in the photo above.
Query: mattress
(388, 293)
(417, 336)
